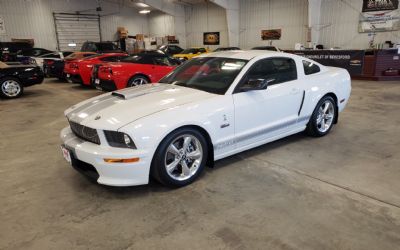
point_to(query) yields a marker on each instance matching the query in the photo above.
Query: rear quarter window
(310, 68)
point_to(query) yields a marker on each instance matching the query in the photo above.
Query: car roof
(244, 54)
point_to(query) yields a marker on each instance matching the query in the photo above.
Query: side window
(36, 52)
(202, 50)
(310, 68)
(274, 70)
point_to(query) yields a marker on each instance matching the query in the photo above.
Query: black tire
(159, 162)
(138, 80)
(313, 127)
(3, 88)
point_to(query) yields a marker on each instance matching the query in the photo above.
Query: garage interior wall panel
(28, 19)
(289, 15)
(34, 19)
(202, 18)
(339, 26)
(161, 24)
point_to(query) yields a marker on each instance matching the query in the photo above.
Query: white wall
(341, 19)
(161, 24)
(28, 19)
(206, 17)
(34, 19)
(289, 15)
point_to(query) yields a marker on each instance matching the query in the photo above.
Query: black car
(13, 79)
(226, 49)
(9, 50)
(170, 49)
(34, 52)
(99, 47)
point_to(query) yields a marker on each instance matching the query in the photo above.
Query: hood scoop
(133, 92)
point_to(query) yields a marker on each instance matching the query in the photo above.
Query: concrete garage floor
(336, 192)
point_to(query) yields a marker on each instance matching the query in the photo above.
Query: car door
(264, 114)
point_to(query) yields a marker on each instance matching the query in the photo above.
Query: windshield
(106, 46)
(50, 55)
(210, 74)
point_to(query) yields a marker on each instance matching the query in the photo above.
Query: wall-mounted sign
(379, 21)
(2, 26)
(274, 34)
(211, 38)
(379, 5)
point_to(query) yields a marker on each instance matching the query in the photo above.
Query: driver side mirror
(255, 84)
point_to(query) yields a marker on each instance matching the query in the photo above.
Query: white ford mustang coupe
(211, 107)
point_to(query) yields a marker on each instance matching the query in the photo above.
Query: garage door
(76, 29)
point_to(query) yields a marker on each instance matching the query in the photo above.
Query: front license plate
(66, 154)
(97, 81)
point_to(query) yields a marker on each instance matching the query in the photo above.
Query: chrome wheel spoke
(186, 142)
(322, 123)
(173, 150)
(172, 166)
(327, 105)
(185, 169)
(194, 155)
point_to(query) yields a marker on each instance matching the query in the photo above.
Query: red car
(80, 71)
(134, 70)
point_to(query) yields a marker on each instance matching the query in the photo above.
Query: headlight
(119, 139)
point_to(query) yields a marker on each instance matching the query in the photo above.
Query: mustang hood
(114, 110)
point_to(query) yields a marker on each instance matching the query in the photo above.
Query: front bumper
(88, 158)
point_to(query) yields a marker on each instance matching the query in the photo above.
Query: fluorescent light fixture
(71, 44)
(144, 11)
(142, 5)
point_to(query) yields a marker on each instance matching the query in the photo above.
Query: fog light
(129, 160)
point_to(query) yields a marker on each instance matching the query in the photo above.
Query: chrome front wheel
(11, 88)
(183, 157)
(180, 157)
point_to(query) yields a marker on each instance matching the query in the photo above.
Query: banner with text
(352, 60)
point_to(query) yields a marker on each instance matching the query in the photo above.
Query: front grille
(85, 133)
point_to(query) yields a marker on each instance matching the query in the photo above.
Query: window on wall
(274, 70)
(310, 68)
